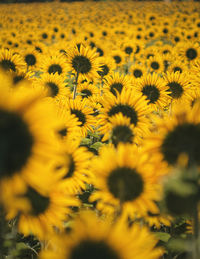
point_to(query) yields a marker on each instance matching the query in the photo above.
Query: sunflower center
(17, 79)
(155, 65)
(39, 203)
(128, 50)
(104, 71)
(137, 73)
(117, 59)
(176, 90)
(126, 110)
(53, 88)
(7, 65)
(80, 116)
(16, 143)
(86, 93)
(71, 169)
(63, 132)
(191, 54)
(30, 60)
(184, 138)
(125, 184)
(91, 249)
(55, 68)
(122, 133)
(81, 64)
(177, 69)
(116, 86)
(152, 93)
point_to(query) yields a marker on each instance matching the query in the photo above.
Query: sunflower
(53, 85)
(27, 126)
(107, 67)
(155, 64)
(82, 111)
(74, 170)
(84, 62)
(118, 56)
(177, 135)
(129, 48)
(11, 61)
(120, 130)
(31, 57)
(178, 86)
(87, 90)
(116, 82)
(124, 181)
(189, 52)
(93, 238)
(154, 89)
(69, 129)
(178, 66)
(48, 210)
(54, 63)
(137, 70)
(130, 104)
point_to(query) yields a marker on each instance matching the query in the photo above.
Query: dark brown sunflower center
(63, 132)
(39, 203)
(100, 51)
(71, 169)
(126, 110)
(116, 86)
(16, 143)
(81, 64)
(137, 73)
(176, 90)
(155, 65)
(183, 138)
(104, 71)
(80, 116)
(90, 249)
(125, 184)
(86, 93)
(128, 50)
(117, 59)
(122, 133)
(17, 79)
(151, 92)
(53, 88)
(7, 65)
(191, 54)
(177, 69)
(30, 60)
(55, 68)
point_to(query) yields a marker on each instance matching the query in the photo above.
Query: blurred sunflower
(189, 51)
(177, 135)
(54, 63)
(81, 110)
(11, 61)
(137, 70)
(93, 238)
(53, 85)
(178, 86)
(74, 171)
(155, 64)
(27, 126)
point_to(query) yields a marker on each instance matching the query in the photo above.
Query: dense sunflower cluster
(100, 126)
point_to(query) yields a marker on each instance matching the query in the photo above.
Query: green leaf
(86, 141)
(163, 236)
(96, 145)
(21, 246)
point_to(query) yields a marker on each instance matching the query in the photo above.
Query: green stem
(75, 85)
(196, 254)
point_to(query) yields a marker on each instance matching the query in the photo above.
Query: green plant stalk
(75, 85)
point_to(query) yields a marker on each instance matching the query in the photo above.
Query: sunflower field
(100, 130)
